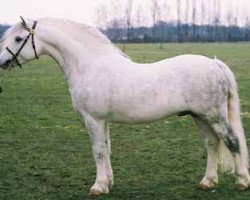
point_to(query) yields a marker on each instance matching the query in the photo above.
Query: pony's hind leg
(225, 132)
(211, 141)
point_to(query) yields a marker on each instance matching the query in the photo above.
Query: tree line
(182, 21)
(3, 28)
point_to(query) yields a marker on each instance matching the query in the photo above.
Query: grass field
(45, 152)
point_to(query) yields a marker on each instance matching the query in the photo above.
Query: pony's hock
(106, 86)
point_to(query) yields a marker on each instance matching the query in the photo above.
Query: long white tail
(225, 157)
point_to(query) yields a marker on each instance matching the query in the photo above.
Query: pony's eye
(18, 39)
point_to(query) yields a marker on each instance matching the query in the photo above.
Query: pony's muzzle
(6, 64)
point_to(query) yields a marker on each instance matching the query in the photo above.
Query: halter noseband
(31, 33)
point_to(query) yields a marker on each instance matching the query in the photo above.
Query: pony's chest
(90, 99)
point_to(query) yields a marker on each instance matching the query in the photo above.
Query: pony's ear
(23, 22)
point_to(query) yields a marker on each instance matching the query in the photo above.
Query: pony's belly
(136, 116)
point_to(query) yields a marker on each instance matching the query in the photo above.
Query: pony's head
(19, 44)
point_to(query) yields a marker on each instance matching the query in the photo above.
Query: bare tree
(107, 18)
(194, 20)
(236, 15)
(101, 19)
(194, 13)
(128, 18)
(247, 28)
(235, 25)
(163, 22)
(139, 19)
(203, 18)
(178, 19)
(139, 16)
(154, 13)
(117, 21)
(217, 15)
(230, 22)
(187, 19)
(209, 22)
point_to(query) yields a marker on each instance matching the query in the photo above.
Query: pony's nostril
(8, 62)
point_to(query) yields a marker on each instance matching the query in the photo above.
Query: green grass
(45, 151)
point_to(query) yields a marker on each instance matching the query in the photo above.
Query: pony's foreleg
(108, 164)
(98, 132)
(212, 143)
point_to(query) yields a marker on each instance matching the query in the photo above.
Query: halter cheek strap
(31, 33)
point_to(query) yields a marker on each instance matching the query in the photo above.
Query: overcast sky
(80, 10)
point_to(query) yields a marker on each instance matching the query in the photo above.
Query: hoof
(240, 187)
(94, 193)
(201, 186)
(99, 188)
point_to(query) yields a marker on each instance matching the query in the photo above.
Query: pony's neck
(73, 56)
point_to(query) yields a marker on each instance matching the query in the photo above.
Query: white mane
(83, 33)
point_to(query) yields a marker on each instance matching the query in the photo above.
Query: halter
(31, 33)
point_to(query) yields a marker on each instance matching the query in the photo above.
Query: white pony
(106, 86)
